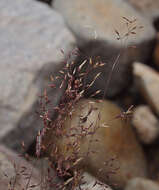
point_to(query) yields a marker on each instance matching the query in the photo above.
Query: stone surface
(146, 124)
(11, 166)
(141, 184)
(152, 155)
(46, 1)
(29, 42)
(147, 81)
(94, 25)
(111, 153)
(91, 183)
(150, 8)
(43, 165)
(156, 51)
(116, 74)
(87, 17)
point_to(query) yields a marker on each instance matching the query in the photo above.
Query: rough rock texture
(10, 166)
(149, 8)
(146, 124)
(31, 38)
(141, 184)
(91, 183)
(94, 24)
(112, 153)
(43, 165)
(147, 81)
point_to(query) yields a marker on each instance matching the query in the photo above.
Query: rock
(90, 182)
(105, 143)
(141, 184)
(150, 8)
(147, 81)
(116, 75)
(11, 166)
(43, 165)
(146, 124)
(29, 44)
(152, 155)
(46, 1)
(87, 17)
(156, 52)
(94, 25)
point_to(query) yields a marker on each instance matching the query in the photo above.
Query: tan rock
(109, 150)
(146, 124)
(141, 184)
(147, 81)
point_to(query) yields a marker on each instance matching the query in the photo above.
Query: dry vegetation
(73, 80)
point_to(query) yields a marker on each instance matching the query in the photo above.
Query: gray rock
(146, 124)
(116, 74)
(94, 24)
(150, 8)
(87, 18)
(11, 175)
(31, 38)
(90, 182)
(46, 1)
(43, 165)
(141, 184)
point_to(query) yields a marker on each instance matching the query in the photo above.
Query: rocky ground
(36, 39)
